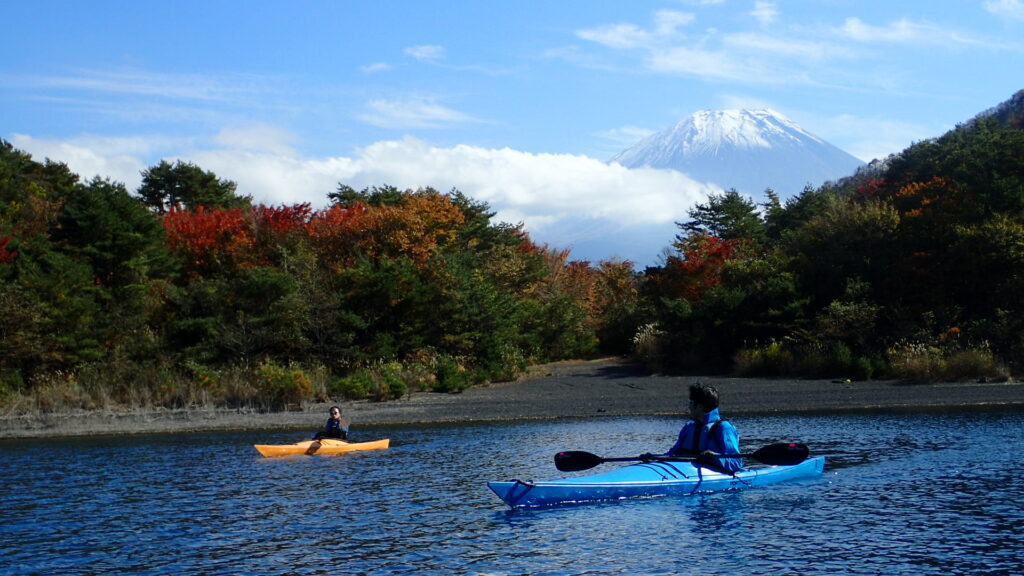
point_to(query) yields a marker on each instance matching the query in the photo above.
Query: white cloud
(426, 53)
(667, 22)
(376, 67)
(114, 158)
(537, 186)
(221, 88)
(1013, 9)
(903, 31)
(763, 46)
(627, 36)
(562, 199)
(408, 114)
(743, 56)
(616, 35)
(257, 137)
(625, 136)
(765, 12)
(718, 65)
(835, 56)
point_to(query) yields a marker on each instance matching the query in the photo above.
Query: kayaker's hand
(647, 457)
(708, 453)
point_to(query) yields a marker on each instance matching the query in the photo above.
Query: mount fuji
(749, 150)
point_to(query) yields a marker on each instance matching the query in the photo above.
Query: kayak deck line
(667, 468)
(646, 480)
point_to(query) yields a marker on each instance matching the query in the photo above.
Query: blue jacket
(333, 429)
(723, 440)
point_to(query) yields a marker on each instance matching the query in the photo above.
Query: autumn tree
(210, 240)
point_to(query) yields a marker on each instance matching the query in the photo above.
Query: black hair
(704, 395)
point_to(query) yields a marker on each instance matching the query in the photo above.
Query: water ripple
(902, 494)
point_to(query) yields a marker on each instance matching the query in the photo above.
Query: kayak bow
(646, 480)
(325, 446)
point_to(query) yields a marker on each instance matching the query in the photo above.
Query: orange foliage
(335, 232)
(281, 221)
(699, 267)
(276, 226)
(420, 225)
(210, 238)
(918, 198)
(617, 284)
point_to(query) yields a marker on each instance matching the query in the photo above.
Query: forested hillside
(912, 268)
(186, 292)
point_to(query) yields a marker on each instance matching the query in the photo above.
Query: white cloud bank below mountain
(598, 210)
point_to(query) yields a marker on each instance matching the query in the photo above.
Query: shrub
(973, 363)
(383, 381)
(418, 373)
(451, 377)
(59, 392)
(920, 362)
(281, 386)
(648, 346)
(863, 368)
(507, 364)
(352, 387)
(390, 382)
(806, 359)
(772, 360)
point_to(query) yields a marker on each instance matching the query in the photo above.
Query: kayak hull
(325, 446)
(646, 480)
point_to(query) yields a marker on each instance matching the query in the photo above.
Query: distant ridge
(749, 150)
(1009, 113)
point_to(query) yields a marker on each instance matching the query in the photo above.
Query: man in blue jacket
(706, 435)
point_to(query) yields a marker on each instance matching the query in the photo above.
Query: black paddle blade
(782, 454)
(575, 460)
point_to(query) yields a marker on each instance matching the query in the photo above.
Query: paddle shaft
(674, 458)
(777, 454)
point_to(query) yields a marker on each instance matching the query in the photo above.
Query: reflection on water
(901, 494)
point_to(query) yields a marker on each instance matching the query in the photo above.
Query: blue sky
(518, 104)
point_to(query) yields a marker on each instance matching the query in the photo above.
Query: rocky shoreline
(575, 389)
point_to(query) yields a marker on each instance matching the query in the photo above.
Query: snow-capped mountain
(749, 150)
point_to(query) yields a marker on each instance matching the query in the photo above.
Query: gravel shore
(576, 389)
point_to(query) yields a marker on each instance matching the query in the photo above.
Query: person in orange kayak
(336, 427)
(707, 435)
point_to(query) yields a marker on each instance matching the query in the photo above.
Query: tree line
(185, 291)
(912, 268)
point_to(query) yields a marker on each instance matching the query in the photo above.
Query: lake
(902, 493)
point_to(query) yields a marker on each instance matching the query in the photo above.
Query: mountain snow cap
(750, 150)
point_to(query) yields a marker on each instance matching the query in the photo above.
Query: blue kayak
(646, 480)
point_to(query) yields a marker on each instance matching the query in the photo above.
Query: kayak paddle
(781, 454)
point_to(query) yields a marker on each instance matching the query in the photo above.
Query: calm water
(902, 494)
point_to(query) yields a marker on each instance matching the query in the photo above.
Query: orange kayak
(325, 446)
